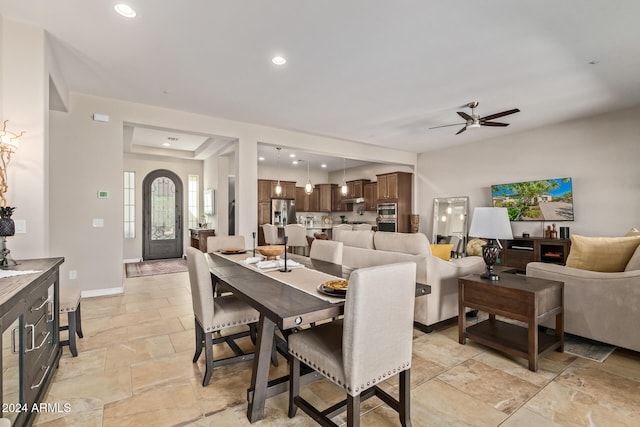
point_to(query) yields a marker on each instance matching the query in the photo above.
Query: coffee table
(525, 299)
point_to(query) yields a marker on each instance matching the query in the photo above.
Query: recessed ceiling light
(261, 159)
(278, 60)
(125, 10)
(292, 155)
(166, 144)
(295, 162)
(323, 165)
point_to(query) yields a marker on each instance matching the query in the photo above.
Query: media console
(520, 251)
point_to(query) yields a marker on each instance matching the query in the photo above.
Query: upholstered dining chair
(271, 234)
(362, 227)
(216, 314)
(336, 229)
(297, 235)
(216, 243)
(326, 250)
(371, 344)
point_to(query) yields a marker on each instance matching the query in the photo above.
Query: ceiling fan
(475, 121)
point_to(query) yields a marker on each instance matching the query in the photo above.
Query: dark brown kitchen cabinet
(307, 202)
(395, 187)
(336, 200)
(288, 190)
(264, 190)
(325, 196)
(371, 196)
(355, 188)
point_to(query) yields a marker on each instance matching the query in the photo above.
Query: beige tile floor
(134, 368)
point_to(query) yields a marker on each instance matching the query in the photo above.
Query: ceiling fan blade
(461, 130)
(464, 115)
(502, 114)
(493, 123)
(445, 126)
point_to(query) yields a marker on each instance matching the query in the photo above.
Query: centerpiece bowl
(270, 251)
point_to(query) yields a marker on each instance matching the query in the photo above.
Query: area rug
(151, 268)
(586, 348)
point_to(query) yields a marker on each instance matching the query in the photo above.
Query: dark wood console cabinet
(30, 341)
(199, 237)
(519, 252)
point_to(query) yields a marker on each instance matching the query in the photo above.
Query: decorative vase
(7, 226)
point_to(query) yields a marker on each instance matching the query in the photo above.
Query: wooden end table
(526, 299)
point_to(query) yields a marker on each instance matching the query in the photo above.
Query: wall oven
(387, 217)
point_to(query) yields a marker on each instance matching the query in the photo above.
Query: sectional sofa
(370, 248)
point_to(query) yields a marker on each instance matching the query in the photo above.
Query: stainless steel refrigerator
(283, 212)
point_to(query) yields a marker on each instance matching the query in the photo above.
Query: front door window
(163, 212)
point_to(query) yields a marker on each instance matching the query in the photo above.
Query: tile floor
(134, 368)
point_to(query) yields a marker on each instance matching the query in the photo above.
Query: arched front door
(162, 216)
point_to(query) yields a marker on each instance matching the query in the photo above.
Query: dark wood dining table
(280, 305)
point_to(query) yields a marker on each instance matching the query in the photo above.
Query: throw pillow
(441, 250)
(606, 254)
(634, 262)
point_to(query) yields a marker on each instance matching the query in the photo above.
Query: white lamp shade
(491, 223)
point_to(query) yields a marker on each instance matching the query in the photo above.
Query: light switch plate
(21, 226)
(98, 222)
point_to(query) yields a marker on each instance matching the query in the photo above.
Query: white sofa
(369, 248)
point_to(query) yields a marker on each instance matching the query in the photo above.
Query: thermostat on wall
(103, 194)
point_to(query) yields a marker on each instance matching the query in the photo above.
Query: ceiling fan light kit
(474, 121)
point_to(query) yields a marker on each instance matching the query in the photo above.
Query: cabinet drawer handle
(33, 339)
(50, 315)
(45, 300)
(46, 371)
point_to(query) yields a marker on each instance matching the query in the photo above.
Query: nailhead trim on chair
(370, 383)
(236, 323)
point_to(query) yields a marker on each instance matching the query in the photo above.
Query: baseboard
(127, 261)
(102, 292)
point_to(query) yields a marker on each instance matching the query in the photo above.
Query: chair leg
(199, 339)
(72, 333)
(79, 322)
(208, 352)
(405, 398)
(294, 385)
(353, 410)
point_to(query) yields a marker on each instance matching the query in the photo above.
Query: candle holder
(285, 269)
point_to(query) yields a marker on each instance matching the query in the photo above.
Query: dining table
(286, 300)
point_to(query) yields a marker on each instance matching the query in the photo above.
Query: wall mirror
(208, 202)
(450, 223)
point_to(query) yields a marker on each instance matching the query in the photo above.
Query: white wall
(599, 153)
(142, 165)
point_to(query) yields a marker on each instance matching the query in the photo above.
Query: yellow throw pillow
(607, 254)
(441, 250)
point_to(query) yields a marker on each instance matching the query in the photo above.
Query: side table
(525, 299)
(199, 237)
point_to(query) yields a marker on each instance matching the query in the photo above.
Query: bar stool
(70, 304)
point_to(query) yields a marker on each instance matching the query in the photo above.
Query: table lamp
(491, 224)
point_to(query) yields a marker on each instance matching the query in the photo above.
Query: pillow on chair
(441, 250)
(605, 254)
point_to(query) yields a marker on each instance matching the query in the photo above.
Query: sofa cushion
(441, 250)
(357, 238)
(407, 243)
(634, 262)
(605, 254)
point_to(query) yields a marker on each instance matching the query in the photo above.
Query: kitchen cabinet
(267, 190)
(355, 188)
(325, 196)
(264, 190)
(30, 339)
(395, 187)
(371, 196)
(307, 202)
(336, 201)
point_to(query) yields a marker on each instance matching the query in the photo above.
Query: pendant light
(308, 188)
(343, 190)
(278, 186)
